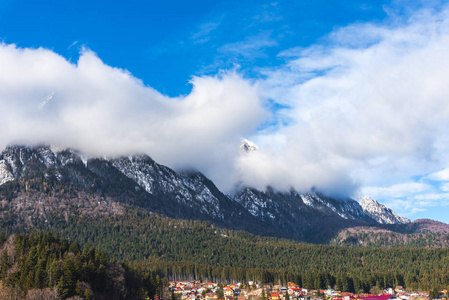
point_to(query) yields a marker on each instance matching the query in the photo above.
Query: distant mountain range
(39, 182)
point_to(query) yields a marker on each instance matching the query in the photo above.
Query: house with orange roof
(209, 285)
(228, 292)
(275, 296)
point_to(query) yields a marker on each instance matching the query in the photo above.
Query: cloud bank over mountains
(368, 105)
(365, 110)
(105, 111)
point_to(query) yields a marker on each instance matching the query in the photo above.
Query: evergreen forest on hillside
(44, 266)
(182, 249)
(143, 245)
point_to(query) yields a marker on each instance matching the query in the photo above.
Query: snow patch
(5, 174)
(248, 146)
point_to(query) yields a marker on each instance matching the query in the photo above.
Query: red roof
(383, 297)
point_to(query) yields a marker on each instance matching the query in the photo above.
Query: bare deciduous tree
(44, 294)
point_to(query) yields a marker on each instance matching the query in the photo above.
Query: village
(195, 290)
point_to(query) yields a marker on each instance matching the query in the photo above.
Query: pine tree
(158, 286)
(150, 286)
(66, 284)
(435, 294)
(63, 287)
(220, 294)
(4, 264)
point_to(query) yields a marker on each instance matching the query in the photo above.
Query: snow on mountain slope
(380, 212)
(16, 159)
(139, 180)
(271, 203)
(248, 146)
(5, 174)
(345, 208)
(135, 180)
(159, 180)
(311, 217)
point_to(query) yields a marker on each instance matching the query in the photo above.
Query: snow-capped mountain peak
(139, 180)
(248, 146)
(380, 212)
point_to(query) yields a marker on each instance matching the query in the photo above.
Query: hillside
(187, 249)
(181, 225)
(420, 233)
(42, 266)
(40, 184)
(40, 180)
(192, 249)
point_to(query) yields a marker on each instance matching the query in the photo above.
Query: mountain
(248, 146)
(136, 180)
(311, 216)
(380, 212)
(40, 182)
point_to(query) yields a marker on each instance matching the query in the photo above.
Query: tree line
(61, 269)
(194, 249)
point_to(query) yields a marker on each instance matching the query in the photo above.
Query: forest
(185, 249)
(143, 248)
(45, 266)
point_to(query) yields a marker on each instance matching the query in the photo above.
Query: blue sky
(344, 96)
(164, 43)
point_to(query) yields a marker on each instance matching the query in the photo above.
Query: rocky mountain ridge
(138, 180)
(380, 212)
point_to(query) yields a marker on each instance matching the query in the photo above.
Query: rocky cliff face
(312, 216)
(135, 180)
(380, 213)
(139, 181)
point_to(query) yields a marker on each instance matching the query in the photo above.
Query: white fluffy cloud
(105, 111)
(366, 108)
(398, 190)
(442, 175)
